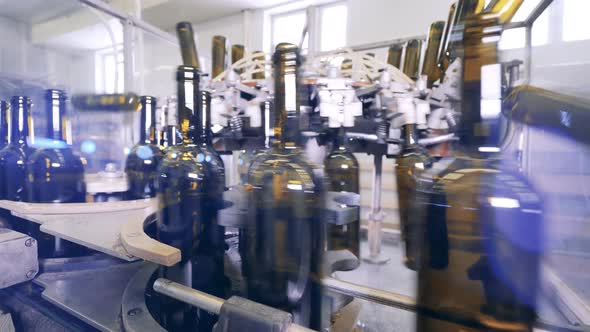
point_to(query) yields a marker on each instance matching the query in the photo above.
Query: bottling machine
(98, 232)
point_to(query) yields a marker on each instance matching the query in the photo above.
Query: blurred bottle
(218, 56)
(188, 49)
(478, 219)
(412, 59)
(283, 241)
(413, 159)
(442, 53)
(208, 259)
(182, 190)
(237, 54)
(430, 67)
(260, 75)
(14, 156)
(54, 173)
(394, 55)
(4, 115)
(144, 159)
(342, 171)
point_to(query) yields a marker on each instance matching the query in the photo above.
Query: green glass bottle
(412, 59)
(342, 171)
(283, 241)
(144, 159)
(394, 55)
(218, 56)
(430, 67)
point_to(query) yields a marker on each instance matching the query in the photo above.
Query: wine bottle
(412, 59)
(237, 54)
(143, 160)
(411, 162)
(188, 49)
(480, 220)
(218, 56)
(181, 190)
(342, 171)
(14, 156)
(283, 241)
(443, 64)
(430, 67)
(4, 115)
(394, 55)
(209, 256)
(54, 173)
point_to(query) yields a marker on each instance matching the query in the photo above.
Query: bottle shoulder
(292, 169)
(56, 159)
(16, 152)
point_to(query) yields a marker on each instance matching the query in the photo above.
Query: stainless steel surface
(18, 258)
(92, 295)
(135, 313)
(189, 295)
(342, 208)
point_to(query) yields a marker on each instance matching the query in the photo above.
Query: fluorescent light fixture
(504, 202)
(489, 149)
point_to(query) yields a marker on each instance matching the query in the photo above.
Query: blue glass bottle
(143, 160)
(54, 173)
(14, 156)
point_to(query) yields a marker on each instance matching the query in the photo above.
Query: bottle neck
(188, 94)
(148, 120)
(410, 132)
(19, 117)
(4, 114)
(55, 111)
(286, 127)
(341, 143)
(205, 135)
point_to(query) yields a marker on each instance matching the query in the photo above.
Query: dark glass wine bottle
(394, 55)
(342, 171)
(260, 75)
(443, 56)
(54, 173)
(188, 49)
(181, 190)
(283, 241)
(209, 257)
(412, 59)
(4, 115)
(143, 160)
(14, 156)
(480, 222)
(237, 53)
(218, 56)
(430, 67)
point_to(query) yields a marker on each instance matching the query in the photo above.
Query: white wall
(380, 20)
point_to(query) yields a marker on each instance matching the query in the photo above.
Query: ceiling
(35, 11)
(167, 14)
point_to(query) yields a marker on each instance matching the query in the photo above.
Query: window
(516, 38)
(110, 64)
(575, 17)
(288, 28)
(333, 26)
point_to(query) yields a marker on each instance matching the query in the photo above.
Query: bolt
(31, 274)
(134, 311)
(29, 242)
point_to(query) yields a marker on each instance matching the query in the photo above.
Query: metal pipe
(372, 46)
(105, 7)
(202, 300)
(188, 295)
(376, 216)
(370, 294)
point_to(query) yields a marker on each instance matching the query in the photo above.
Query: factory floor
(395, 277)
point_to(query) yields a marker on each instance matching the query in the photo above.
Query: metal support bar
(538, 11)
(372, 46)
(376, 216)
(106, 8)
(201, 300)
